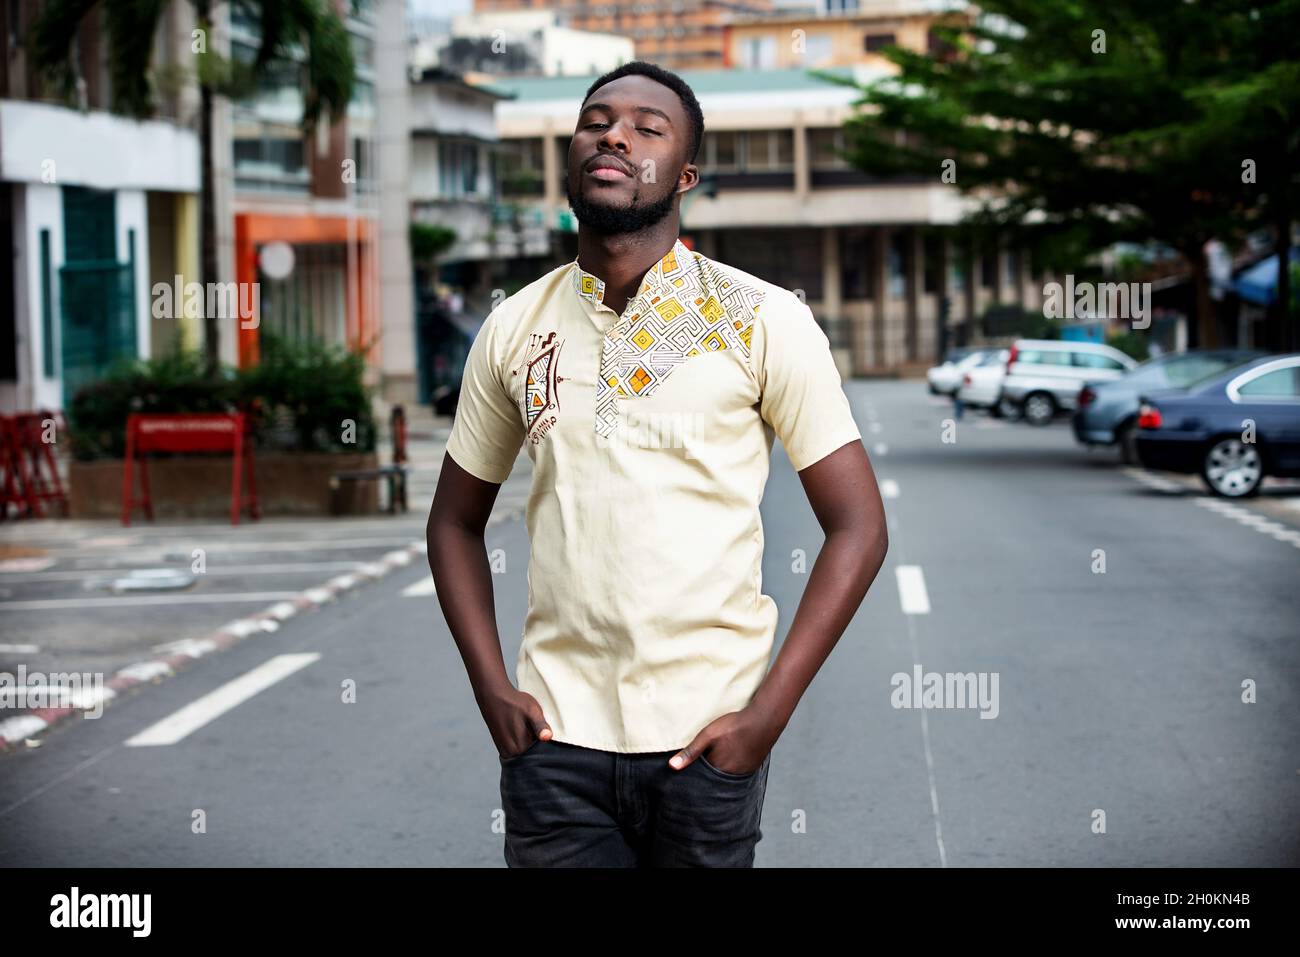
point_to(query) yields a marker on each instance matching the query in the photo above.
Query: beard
(616, 220)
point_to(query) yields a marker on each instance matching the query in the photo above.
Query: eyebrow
(639, 109)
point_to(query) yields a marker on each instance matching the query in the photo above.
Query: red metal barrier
(194, 432)
(29, 477)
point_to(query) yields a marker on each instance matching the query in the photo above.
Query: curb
(25, 727)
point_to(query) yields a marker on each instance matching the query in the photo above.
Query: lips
(607, 167)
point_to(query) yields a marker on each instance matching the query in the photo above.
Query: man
(646, 383)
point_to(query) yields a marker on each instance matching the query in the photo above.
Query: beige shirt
(650, 435)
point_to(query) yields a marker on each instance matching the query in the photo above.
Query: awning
(1258, 283)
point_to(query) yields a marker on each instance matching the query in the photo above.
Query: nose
(614, 137)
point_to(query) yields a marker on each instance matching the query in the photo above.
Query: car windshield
(994, 357)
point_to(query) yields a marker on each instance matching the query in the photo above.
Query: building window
(957, 271)
(1013, 268)
(758, 53)
(819, 49)
(47, 308)
(520, 167)
(824, 147)
(988, 270)
(857, 275)
(768, 150)
(898, 263)
(875, 42)
(719, 151)
(790, 258)
(458, 169)
(933, 247)
(937, 47)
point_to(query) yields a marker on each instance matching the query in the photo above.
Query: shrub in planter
(308, 397)
(301, 398)
(171, 383)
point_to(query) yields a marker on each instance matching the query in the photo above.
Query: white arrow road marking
(911, 590)
(180, 724)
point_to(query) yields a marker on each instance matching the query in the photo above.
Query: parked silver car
(1044, 376)
(945, 379)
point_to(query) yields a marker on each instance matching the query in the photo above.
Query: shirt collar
(674, 263)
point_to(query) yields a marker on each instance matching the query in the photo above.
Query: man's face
(638, 131)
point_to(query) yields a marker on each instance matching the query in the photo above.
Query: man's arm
(463, 577)
(841, 488)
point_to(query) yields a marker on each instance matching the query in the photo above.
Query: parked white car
(946, 379)
(981, 385)
(1044, 376)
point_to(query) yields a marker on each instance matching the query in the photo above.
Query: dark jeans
(570, 806)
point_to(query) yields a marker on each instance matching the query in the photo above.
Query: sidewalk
(74, 598)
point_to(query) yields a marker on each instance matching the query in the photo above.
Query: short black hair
(670, 80)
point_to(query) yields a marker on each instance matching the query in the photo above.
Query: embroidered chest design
(688, 309)
(541, 383)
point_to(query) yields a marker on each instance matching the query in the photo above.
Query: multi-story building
(836, 33)
(527, 43)
(316, 194)
(95, 209)
(676, 34)
(456, 166)
(873, 258)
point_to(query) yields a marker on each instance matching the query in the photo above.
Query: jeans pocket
(515, 757)
(729, 775)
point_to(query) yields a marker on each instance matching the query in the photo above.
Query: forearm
(462, 576)
(848, 563)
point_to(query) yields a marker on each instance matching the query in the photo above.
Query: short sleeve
(488, 429)
(802, 397)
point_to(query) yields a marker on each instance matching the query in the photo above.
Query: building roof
(438, 74)
(703, 82)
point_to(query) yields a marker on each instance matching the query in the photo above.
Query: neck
(622, 260)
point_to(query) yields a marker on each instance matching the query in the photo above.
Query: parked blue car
(1232, 429)
(1107, 412)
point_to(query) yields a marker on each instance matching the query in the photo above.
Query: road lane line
(180, 724)
(124, 602)
(911, 590)
(889, 488)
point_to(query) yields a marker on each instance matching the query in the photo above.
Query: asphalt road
(1118, 694)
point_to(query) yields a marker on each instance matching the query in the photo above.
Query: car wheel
(1232, 468)
(1005, 408)
(933, 390)
(1126, 439)
(1039, 409)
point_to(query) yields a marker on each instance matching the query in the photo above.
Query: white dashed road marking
(911, 590)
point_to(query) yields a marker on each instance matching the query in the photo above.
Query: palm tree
(286, 26)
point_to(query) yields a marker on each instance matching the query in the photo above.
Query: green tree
(1078, 123)
(288, 28)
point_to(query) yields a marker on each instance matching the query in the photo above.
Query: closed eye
(641, 129)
